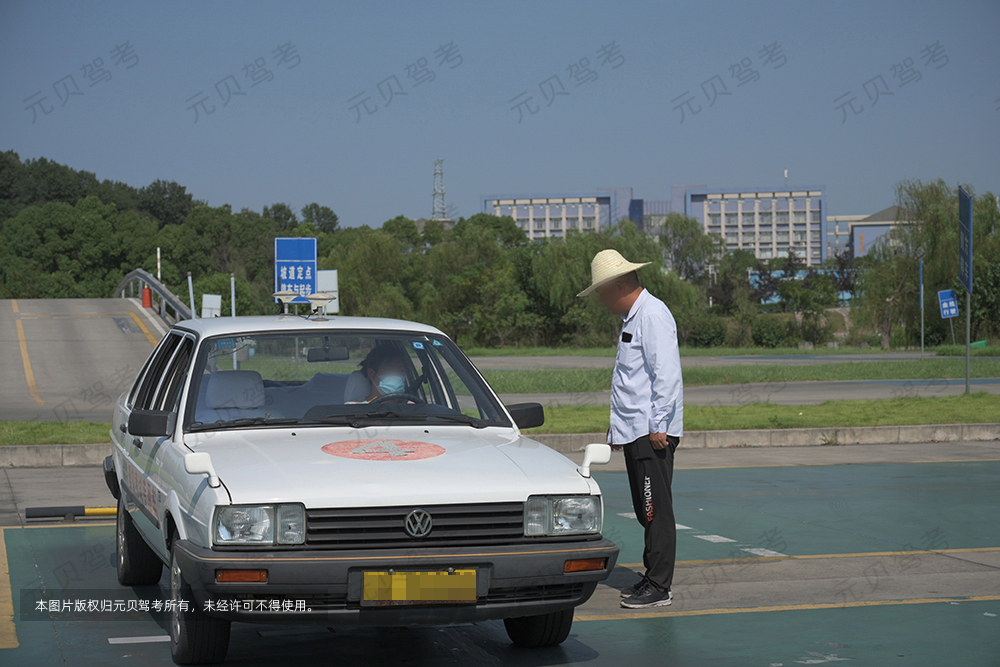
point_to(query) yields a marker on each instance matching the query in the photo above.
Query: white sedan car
(353, 470)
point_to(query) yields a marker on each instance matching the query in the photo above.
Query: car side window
(154, 371)
(167, 396)
(130, 401)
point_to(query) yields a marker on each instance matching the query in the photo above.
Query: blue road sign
(948, 303)
(965, 239)
(295, 266)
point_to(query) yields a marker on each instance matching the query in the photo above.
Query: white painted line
(714, 538)
(756, 551)
(150, 318)
(631, 515)
(150, 639)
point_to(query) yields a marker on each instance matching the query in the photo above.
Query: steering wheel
(398, 396)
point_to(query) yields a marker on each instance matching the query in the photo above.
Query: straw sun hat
(608, 265)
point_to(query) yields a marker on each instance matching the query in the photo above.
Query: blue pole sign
(965, 239)
(948, 303)
(295, 266)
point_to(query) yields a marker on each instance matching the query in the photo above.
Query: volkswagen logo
(418, 523)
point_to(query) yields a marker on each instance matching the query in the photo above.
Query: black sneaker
(648, 596)
(634, 588)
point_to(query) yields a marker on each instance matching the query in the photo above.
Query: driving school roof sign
(295, 266)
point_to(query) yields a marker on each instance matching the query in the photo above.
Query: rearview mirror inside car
(328, 354)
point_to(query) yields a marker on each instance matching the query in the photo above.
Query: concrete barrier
(48, 456)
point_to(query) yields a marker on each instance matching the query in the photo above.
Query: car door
(162, 452)
(138, 489)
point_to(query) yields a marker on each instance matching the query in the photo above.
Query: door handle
(137, 442)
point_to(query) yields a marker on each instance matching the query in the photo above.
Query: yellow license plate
(400, 588)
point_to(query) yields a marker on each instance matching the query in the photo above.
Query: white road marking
(631, 515)
(757, 551)
(150, 639)
(714, 538)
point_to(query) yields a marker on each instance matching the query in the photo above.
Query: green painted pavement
(802, 510)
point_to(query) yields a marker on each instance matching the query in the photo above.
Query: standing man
(647, 409)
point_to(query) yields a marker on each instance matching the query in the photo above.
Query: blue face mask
(392, 384)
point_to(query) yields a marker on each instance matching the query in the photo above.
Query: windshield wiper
(243, 421)
(462, 419)
(355, 419)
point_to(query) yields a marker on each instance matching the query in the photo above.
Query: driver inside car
(385, 368)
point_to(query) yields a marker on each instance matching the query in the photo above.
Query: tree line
(64, 233)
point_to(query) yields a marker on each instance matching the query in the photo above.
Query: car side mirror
(594, 454)
(527, 415)
(156, 423)
(200, 463)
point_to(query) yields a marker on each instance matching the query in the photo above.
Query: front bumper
(512, 581)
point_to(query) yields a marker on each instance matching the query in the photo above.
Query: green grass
(977, 408)
(53, 433)
(598, 379)
(685, 351)
(959, 351)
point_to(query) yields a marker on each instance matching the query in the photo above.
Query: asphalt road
(873, 554)
(69, 359)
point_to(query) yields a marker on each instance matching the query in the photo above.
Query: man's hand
(658, 440)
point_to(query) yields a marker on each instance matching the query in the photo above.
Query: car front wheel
(537, 631)
(195, 637)
(136, 563)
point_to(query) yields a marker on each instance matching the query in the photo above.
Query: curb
(55, 456)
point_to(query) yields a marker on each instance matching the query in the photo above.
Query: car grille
(383, 527)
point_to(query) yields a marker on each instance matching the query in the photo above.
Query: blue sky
(294, 138)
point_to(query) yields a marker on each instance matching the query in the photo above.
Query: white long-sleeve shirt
(647, 393)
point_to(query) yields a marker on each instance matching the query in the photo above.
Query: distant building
(838, 232)
(554, 215)
(770, 222)
(866, 232)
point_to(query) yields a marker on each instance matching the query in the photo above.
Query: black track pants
(650, 472)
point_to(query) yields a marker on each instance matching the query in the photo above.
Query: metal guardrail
(168, 300)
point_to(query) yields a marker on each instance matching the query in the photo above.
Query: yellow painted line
(143, 327)
(633, 615)
(100, 511)
(8, 632)
(28, 374)
(87, 524)
(74, 314)
(863, 554)
(13, 303)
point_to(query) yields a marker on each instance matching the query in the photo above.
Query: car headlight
(562, 515)
(243, 524)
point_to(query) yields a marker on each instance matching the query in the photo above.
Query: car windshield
(336, 378)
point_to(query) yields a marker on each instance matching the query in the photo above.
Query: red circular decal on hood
(383, 449)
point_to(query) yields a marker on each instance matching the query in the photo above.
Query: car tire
(537, 631)
(195, 637)
(136, 563)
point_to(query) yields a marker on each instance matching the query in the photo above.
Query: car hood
(385, 466)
